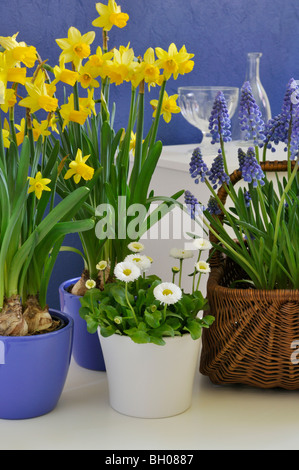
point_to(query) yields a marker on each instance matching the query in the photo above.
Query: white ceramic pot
(147, 380)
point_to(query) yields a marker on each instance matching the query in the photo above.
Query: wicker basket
(253, 339)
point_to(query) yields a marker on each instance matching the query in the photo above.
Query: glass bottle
(258, 91)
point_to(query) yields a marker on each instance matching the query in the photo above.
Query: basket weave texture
(254, 338)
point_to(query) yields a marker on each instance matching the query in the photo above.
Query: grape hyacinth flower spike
(278, 128)
(197, 167)
(219, 122)
(213, 207)
(251, 169)
(217, 173)
(193, 206)
(250, 116)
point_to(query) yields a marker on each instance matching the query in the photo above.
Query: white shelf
(220, 418)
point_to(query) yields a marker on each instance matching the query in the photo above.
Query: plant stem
(127, 299)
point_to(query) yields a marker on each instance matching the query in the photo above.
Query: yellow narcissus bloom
(87, 75)
(151, 73)
(40, 129)
(40, 95)
(17, 52)
(123, 65)
(69, 113)
(76, 46)
(172, 61)
(64, 75)
(79, 169)
(9, 100)
(98, 62)
(11, 74)
(88, 104)
(110, 15)
(38, 185)
(133, 142)
(169, 106)
(5, 137)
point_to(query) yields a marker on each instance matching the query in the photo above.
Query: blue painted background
(218, 32)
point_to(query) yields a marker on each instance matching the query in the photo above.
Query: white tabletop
(221, 417)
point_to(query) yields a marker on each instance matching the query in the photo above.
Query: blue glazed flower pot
(33, 370)
(87, 350)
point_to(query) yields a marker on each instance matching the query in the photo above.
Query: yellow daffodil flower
(87, 76)
(171, 61)
(18, 51)
(110, 15)
(38, 185)
(123, 65)
(39, 95)
(40, 129)
(76, 46)
(78, 168)
(133, 142)
(69, 113)
(64, 75)
(11, 74)
(169, 106)
(98, 63)
(187, 65)
(87, 104)
(151, 71)
(9, 100)
(5, 137)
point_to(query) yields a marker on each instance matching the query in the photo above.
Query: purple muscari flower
(250, 116)
(213, 207)
(219, 121)
(241, 157)
(278, 129)
(197, 167)
(247, 198)
(294, 141)
(251, 170)
(217, 173)
(193, 206)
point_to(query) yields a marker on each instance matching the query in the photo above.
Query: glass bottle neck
(253, 65)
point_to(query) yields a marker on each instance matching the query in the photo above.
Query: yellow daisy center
(127, 272)
(167, 292)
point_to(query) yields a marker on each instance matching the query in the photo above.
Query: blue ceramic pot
(33, 370)
(87, 350)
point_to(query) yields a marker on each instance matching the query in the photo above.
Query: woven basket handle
(268, 166)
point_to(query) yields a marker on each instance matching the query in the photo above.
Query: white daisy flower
(143, 262)
(101, 265)
(181, 254)
(167, 293)
(202, 267)
(127, 271)
(202, 244)
(136, 247)
(90, 284)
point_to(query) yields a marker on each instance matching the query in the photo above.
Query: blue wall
(218, 32)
